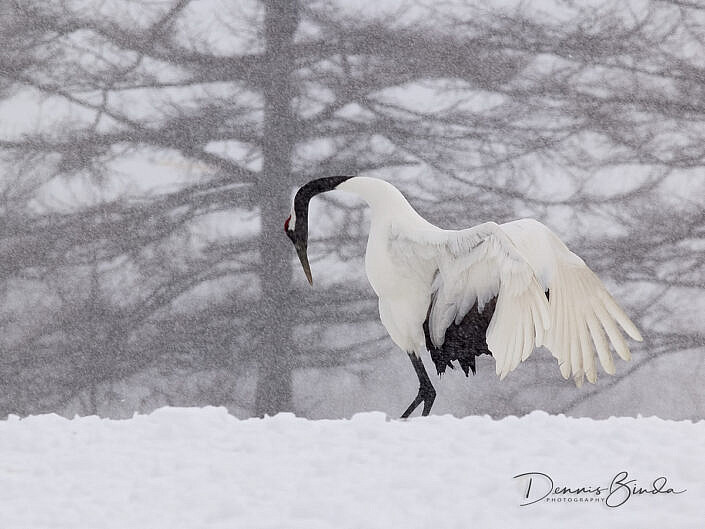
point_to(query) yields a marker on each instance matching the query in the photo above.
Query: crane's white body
(411, 263)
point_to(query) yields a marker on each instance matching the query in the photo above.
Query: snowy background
(194, 468)
(149, 152)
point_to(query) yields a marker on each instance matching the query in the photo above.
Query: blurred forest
(149, 151)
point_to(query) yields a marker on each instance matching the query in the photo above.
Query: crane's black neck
(304, 196)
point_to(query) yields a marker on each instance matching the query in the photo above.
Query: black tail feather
(462, 342)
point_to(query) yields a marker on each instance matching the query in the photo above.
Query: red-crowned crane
(491, 289)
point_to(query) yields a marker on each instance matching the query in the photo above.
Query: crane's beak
(303, 257)
(298, 234)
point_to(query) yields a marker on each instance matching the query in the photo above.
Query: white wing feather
(581, 309)
(478, 264)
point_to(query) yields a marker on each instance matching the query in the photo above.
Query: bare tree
(584, 117)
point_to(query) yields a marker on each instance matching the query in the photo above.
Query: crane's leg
(426, 394)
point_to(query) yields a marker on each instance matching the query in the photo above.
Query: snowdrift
(202, 468)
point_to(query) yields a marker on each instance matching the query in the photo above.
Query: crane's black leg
(426, 394)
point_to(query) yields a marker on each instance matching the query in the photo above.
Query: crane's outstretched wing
(581, 309)
(475, 265)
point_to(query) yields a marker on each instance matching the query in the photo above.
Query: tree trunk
(274, 384)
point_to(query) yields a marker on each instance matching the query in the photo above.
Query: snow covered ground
(202, 468)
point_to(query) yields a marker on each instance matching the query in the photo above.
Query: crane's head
(296, 225)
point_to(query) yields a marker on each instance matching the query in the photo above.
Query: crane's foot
(426, 394)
